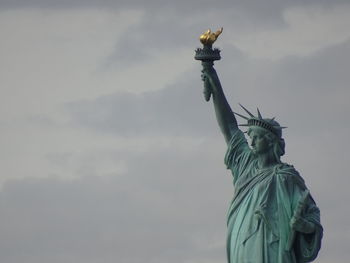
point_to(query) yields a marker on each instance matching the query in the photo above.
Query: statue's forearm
(224, 114)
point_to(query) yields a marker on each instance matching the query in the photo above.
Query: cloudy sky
(109, 152)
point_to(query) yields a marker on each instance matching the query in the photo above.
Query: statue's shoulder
(287, 172)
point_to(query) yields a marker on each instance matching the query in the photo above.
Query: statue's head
(265, 134)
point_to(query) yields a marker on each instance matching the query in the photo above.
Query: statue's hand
(204, 76)
(207, 88)
(209, 75)
(301, 225)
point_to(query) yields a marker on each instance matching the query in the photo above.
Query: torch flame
(208, 38)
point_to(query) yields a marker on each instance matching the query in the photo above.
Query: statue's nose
(252, 142)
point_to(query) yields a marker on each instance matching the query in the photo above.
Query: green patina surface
(272, 217)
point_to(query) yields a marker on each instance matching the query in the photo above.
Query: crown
(268, 124)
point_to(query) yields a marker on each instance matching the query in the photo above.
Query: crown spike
(247, 111)
(244, 117)
(244, 125)
(280, 127)
(259, 114)
(273, 118)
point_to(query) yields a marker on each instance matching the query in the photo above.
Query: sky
(109, 152)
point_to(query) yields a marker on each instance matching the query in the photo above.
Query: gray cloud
(170, 203)
(152, 4)
(294, 88)
(149, 214)
(169, 206)
(167, 25)
(177, 110)
(308, 94)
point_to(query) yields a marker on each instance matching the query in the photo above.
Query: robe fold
(264, 202)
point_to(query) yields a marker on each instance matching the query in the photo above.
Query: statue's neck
(266, 160)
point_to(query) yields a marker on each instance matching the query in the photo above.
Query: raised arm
(224, 115)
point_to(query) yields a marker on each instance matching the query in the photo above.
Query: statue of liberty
(272, 217)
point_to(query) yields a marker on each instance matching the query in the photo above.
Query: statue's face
(259, 142)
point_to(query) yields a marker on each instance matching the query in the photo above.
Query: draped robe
(264, 202)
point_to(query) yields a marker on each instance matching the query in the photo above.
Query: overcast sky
(109, 152)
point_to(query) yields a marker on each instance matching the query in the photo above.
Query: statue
(272, 217)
